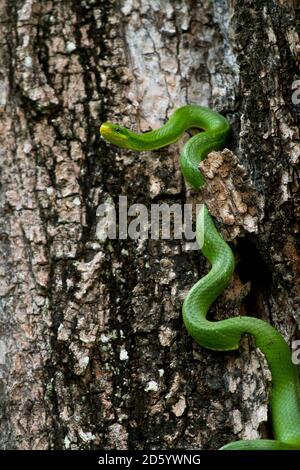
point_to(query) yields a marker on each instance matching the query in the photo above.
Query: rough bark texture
(93, 350)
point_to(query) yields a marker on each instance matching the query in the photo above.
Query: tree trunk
(93, 351)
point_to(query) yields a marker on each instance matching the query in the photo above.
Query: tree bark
(93, 351)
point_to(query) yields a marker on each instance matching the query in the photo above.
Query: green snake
(224, 335)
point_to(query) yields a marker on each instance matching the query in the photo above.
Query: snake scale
(224, 335)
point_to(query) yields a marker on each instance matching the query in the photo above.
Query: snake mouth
(105, 130)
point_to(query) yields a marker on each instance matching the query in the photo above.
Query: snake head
(115, 134)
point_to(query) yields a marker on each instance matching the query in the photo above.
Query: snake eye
(117, 130)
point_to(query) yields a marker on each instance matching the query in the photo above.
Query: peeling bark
(93, 352)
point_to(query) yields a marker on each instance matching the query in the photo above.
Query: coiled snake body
(226, 334)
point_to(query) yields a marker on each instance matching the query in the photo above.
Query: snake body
(224, 335)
